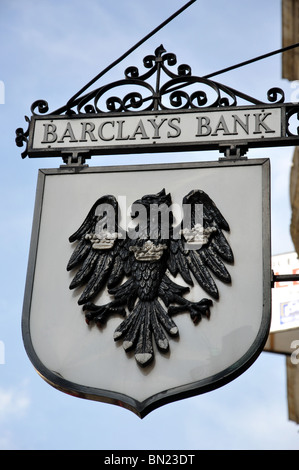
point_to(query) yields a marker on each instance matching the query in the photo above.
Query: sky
(50, 49)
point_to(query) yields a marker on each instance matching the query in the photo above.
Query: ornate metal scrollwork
(147, 92)
(22, 137)
(41, 105)
(182, 91)
(162, 87)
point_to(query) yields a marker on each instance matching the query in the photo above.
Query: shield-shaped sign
(148, 284)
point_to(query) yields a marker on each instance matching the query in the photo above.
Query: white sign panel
(144, 321)
(150, 131)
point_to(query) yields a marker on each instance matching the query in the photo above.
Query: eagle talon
(99, 314)
(197, 309)
(200, 309)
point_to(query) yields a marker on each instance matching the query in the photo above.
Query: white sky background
(48, 50)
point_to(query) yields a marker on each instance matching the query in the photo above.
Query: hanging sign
(148, 284)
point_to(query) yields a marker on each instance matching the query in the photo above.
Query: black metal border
(141, 409)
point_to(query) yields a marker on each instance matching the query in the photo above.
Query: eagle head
(154, 212)
(159, 198)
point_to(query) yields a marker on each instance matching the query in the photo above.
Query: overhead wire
(78, 96)
(251, 61)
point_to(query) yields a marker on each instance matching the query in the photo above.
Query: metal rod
(284, 278)
(73, 101)
(126, 54)
(250, 61)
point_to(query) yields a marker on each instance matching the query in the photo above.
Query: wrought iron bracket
(283, 278)
(160, 93)
(76, 159)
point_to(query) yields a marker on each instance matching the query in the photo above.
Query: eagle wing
(198, 245)
(99, 255)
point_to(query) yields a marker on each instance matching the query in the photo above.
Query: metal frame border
(155, 146)
(143, 408)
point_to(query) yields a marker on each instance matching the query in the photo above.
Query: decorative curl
(200, 97)
(149, 61)
(22, 137)
(176, 99)
(42, 106)
(132, 72)
(170, 58)
(131, 101)
(273, 95)
(184, 70)
(112, 102)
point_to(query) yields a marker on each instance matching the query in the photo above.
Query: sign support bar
(284, 278)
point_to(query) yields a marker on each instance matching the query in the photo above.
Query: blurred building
(290, 71)
(284, 333)
(290, 35)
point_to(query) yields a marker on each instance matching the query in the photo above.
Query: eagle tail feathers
(147, 321)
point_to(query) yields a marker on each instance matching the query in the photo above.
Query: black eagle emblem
(135, 264)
